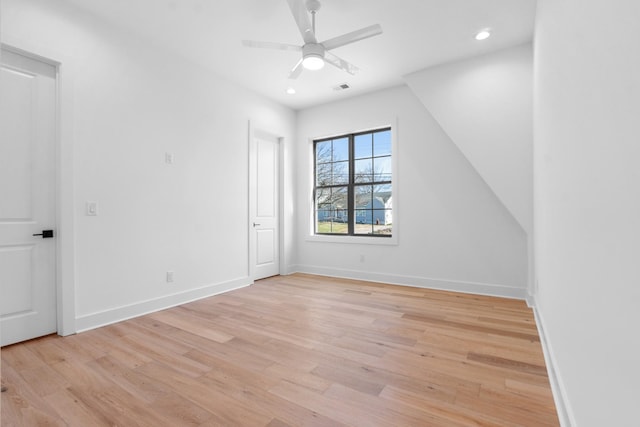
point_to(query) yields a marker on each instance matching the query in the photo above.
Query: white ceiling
(417, 34)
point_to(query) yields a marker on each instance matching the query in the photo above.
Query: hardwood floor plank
(204, 328)
(143, 387)
(446, 411)
(355, 380)
(473, 327)
(336, 409)
(225, 410)
(176, 410)
(298, 350)
(20, 357)
(75, 412)
(388, 413)
(44, 380)
(21, 404)
(299, 377)
(502, 362)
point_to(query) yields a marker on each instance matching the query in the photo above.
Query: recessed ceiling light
(291, 91)
(483, 35)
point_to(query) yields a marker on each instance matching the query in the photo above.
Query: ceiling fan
(314, 53)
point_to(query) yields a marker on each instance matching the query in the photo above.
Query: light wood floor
(290, 351)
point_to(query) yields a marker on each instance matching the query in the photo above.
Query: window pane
(340, 149)
(382, 168)
(362, 146)
(382, 221)
(323, 152)
(382, 143)
(323, 198)
(383, 193)
(339, 198)
(364, 170)
(363, 196)
(332, 215)
(323, 174)
(364, 220)
(322, 215)
(340, 173)
(326, 224)
(332, 199)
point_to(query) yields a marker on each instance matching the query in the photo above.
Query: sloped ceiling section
(485, 106)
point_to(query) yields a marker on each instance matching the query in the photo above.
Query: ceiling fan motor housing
(313, 49)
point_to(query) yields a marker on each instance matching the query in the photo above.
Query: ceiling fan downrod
(313, 6)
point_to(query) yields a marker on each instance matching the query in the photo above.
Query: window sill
(360, 240)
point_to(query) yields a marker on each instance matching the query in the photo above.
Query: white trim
(361, 240)
(488, 289)
(65, 221)
(118, 314)
(565, 414)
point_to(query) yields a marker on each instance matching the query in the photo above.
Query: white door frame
(255, 131)
(65, 218)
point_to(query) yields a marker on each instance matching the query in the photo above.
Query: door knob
(46, 234)
(255, 224)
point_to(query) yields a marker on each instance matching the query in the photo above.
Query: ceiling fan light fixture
(313, 56)
(313, 62)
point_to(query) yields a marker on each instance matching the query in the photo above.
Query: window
(352, 185)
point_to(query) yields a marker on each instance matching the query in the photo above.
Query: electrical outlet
(169, 276)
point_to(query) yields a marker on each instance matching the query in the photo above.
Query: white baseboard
(418, 282)
(565, 415)
(107, 317)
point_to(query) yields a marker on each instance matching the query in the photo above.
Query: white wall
(453, 231)
(587, 203)
(484, 104)
(132, 103)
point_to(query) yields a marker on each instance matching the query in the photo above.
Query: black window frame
(351, 184)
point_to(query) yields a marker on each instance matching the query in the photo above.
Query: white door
(263, 205)
(27, 198)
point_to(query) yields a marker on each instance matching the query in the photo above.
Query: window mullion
(351, 190)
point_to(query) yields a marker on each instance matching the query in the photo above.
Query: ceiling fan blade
(354, 36)
(300, 14)
(340, 63)
(271, 45)
(295, 72)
